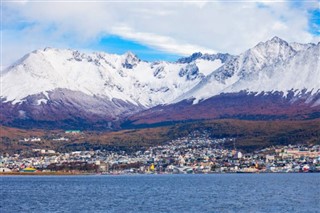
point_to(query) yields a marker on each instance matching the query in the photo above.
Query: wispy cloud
(163, 43)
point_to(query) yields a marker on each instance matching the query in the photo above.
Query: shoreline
(41, 173)
(136, 174)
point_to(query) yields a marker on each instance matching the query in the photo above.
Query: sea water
(162, 193)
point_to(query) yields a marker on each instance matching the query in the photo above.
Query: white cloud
(162, 43)
(176, 27)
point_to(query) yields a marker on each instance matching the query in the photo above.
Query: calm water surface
(162, 193)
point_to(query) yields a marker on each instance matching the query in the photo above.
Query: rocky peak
(130, 60)
(189, 59)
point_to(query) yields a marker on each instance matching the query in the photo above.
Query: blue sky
(118, 45)
(314, 22)
(153, 30)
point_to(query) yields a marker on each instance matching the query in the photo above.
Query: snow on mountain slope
(123, 77)
(298, 46)
(269, 66)
(299, 73)
(207, 67)
(69, 86)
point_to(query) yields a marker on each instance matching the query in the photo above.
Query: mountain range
(63, 88)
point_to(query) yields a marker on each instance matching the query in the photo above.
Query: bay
(162, 193)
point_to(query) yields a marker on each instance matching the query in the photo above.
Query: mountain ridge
(57, 85)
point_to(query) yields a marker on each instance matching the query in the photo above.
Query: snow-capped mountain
(273, 65)
(52, 85)
(124, 77)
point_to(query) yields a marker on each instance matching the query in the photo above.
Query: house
(5, 170)
(270, 158)
(29, 169)
(73, 132)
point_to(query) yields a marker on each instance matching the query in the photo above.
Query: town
(187, 155)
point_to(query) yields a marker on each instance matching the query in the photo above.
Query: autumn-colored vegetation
(249, 135)
(231, 106)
